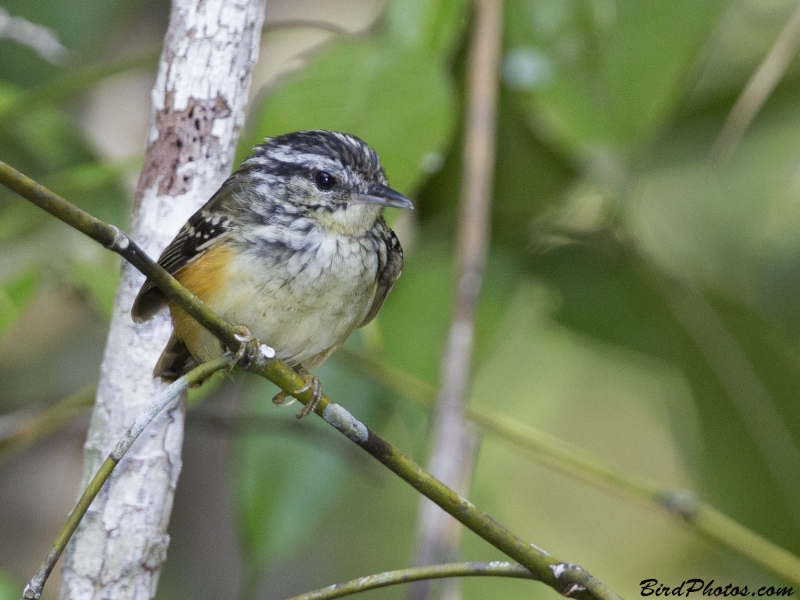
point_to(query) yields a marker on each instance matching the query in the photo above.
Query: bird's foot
(249, 348)
(312, 382)
(246, 341)
(316, 395)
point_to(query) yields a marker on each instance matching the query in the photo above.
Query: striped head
(332, 177)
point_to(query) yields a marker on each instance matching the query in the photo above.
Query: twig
(32, 428)
(584, 466)
(453, 455)
(34, 588)
(116, 241)
(758, 88)
(567, 579)
(381, 580)
(42, 40)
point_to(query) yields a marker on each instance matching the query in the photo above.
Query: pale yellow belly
(304, 314)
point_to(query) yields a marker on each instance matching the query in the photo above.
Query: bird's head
(332, 177)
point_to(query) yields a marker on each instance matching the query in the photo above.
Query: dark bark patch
(184, 136)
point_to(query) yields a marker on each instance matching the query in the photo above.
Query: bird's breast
(300, 302)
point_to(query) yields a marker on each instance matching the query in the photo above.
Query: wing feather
(389, 269)
(205, 228)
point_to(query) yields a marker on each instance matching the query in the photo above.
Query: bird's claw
(248, 347)
(245, 339)
(312, 382)
(316, 395)
(280, 399)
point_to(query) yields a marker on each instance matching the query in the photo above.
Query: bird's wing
(389, 270)
(204, 229)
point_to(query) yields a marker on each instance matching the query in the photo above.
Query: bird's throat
(350, 220)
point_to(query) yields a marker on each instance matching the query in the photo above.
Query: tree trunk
(199, 96)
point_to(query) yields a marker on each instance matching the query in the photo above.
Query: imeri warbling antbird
(293, 247)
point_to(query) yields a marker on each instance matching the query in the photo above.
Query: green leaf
(528, 179)
(99, 278)
(19, 219)
(47, 146)
(598, 76)
(43, 141)
(434, 26)
(16, 293)
(397, 100)
(396, 95)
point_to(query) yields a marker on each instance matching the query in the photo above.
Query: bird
(293, 247)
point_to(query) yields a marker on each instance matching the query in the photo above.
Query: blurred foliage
(392, 88)
(9, 589)
(593, 78)
(80, 26)
(620, 251)
(285, 485)
(48, 146)
(15, 296)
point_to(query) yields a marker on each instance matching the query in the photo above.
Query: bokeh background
(640, 299)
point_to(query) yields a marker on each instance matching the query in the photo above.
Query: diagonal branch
(586, 467)
(566, 578)
(116, 241)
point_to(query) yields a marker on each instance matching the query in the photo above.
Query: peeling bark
(198, 100)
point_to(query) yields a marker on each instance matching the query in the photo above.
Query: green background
(640, 299)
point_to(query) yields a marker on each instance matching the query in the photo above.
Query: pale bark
(452, 458)
(198, 100)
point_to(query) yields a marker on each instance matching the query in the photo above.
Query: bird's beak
(385, 196)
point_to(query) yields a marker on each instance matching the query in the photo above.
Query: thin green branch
(381, 580)
(74, 82)
(31, 428)
(113, 239)
(567, 579)
(34, 588)
(588, 468)
(585, 466)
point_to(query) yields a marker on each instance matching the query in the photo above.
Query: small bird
(293, 247)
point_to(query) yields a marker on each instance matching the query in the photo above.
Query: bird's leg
(312, 381)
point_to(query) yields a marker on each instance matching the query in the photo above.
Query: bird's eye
(324, 180)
